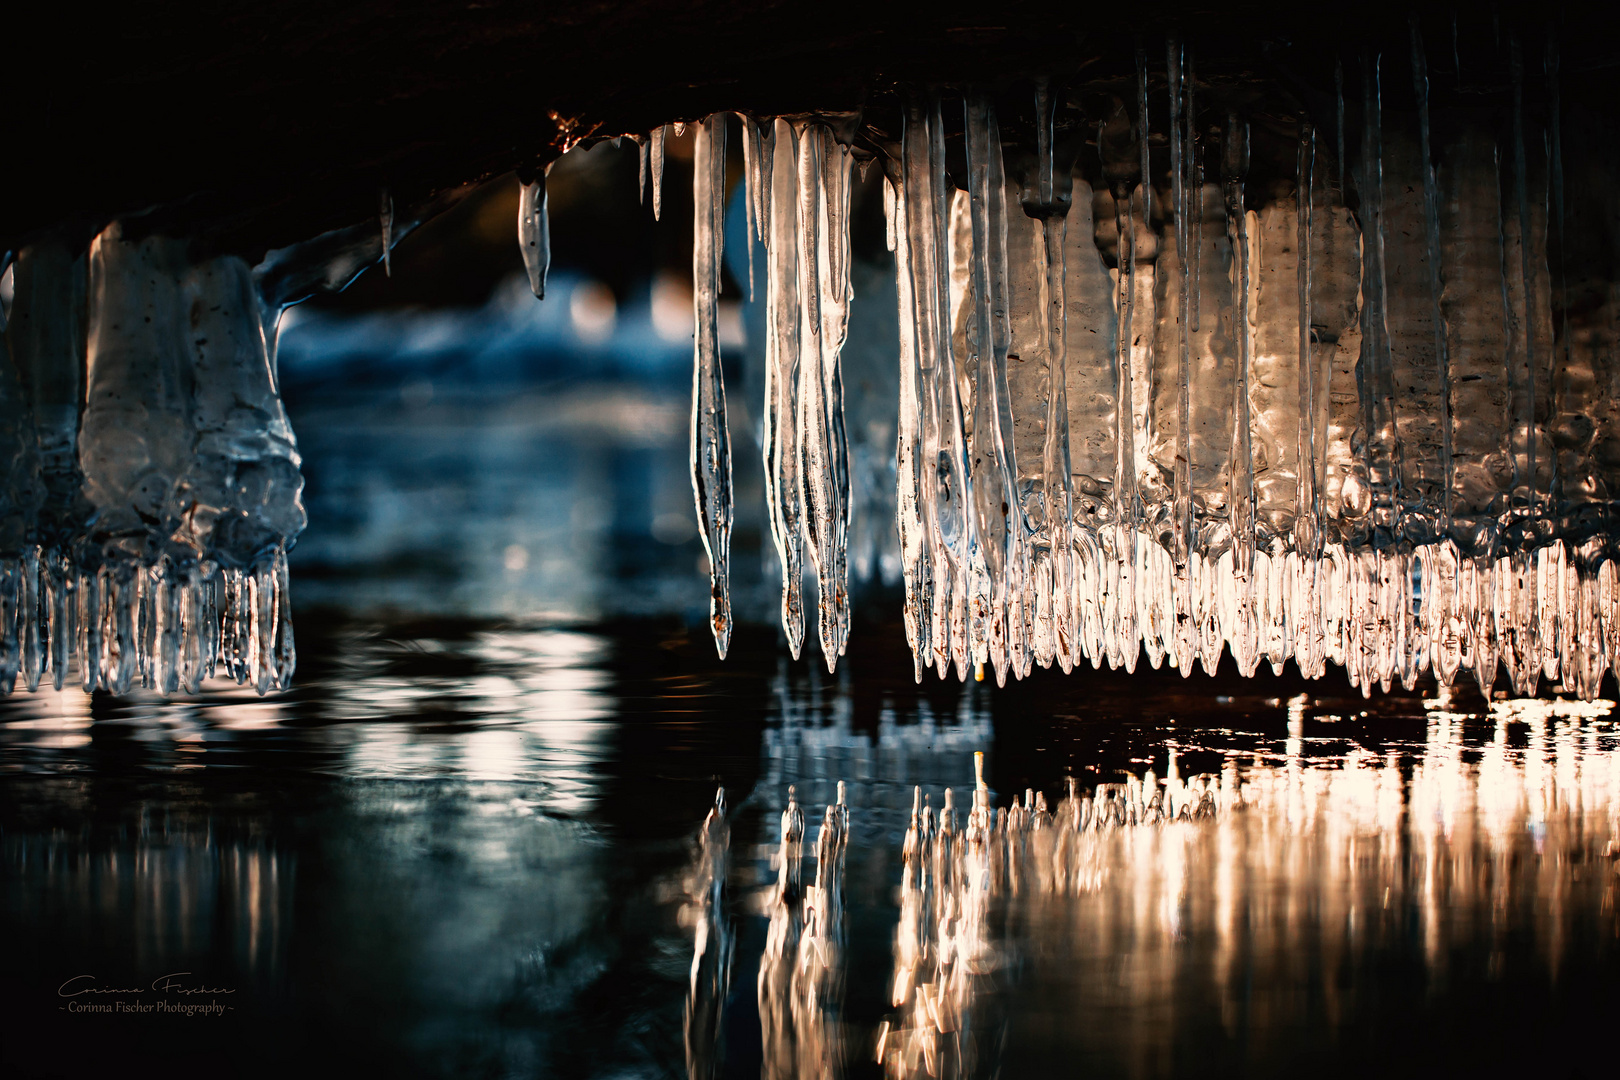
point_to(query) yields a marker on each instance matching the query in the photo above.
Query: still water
(471, 841)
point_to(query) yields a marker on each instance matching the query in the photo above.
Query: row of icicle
(1171, 484)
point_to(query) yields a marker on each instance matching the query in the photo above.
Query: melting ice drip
(1350, 414)
(152, 484)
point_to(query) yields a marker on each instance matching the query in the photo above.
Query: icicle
(47, 343)
(816, 480)
(711, 441)
(751, 185)
(1120, 622)
(1431, 222)
(534, 232)
(1306, 557)
(656, 159)
(835, 298)
(1381, 448)
(1243, 632)
(385, 215)
(643, 148)
(783, 492)
(1181, 163)
(1057, 466)
(908, 449)
(1195, 181)
(1527, 322)
(761, 191)
(996, 508)
(943, 482)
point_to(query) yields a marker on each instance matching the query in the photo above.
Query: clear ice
(534, 232)
(154, 483)
(1153, 407)
(1174, 381)
(711, 440)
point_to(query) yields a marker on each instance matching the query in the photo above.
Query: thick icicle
(997, 513)
(783, 491)
(711, 441)
(534, 232)
(816, 480)
(835, 298)
(943, 486)
(1034, 369)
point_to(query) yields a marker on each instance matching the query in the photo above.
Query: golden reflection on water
(1261, 893)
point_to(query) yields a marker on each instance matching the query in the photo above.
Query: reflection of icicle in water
(801, 973)
(818, 978)
(159, 553)
(779, 963)
(712, 947)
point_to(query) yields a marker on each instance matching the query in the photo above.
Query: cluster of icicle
(798, 177)
(151, 485)
(1184, 479)
(951, 876)
(1152, 417)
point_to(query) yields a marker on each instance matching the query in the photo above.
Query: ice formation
(1162, 396)
(1179, 373)
(153, 485)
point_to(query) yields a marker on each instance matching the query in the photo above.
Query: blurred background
(470, 450)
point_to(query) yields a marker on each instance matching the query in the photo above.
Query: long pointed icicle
(1057, 471)
(994, 502)
(1182, 190)
(816, 480)
(711, 441)
(908, 443)
(780, 442)
(534, 232)
(1307, 643)
(643, 148)
(1243, 633)
(835, 297)
(1120, 621)
(943, 484)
